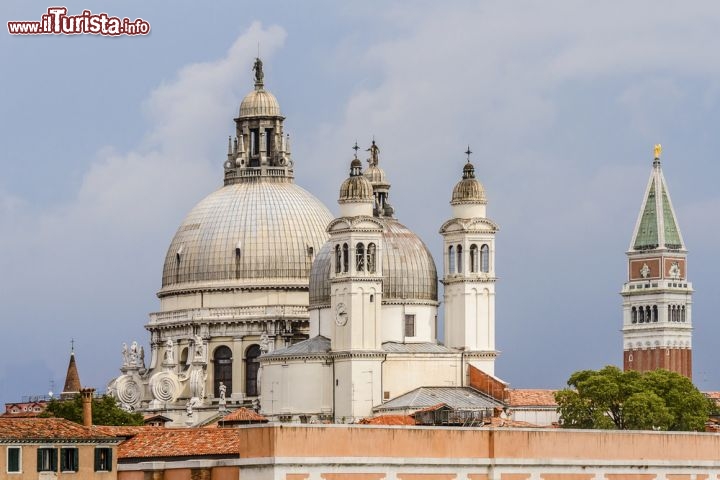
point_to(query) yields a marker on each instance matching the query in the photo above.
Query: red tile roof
(244, 415)
(181, 442)
(124, 431)
(389, 420)
(532, 398)
(432, 408)
(46, 429)
(25, 409)
(21, 414)
(505, 422)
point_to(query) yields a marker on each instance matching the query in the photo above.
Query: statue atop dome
(259, 75)
(374, 150)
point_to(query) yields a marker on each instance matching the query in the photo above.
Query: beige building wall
(28, 459)
(313, 452)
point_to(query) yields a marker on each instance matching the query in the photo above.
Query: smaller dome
(259, 103)
(469, 189)
(356, 188)
(409, 273)
(375, 174)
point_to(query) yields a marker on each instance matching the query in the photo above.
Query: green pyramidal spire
(657, 227)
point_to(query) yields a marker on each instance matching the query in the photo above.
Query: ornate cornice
(470, 225)
(464, 279)
(180, 290)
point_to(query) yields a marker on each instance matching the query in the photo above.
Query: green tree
(105, 411)
(612, 399)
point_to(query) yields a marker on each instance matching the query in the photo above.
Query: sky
(108, 142)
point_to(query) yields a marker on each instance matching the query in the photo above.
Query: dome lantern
(468, 197)
(261, 151)
(356, 192)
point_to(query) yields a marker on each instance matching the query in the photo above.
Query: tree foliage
(105, 411)
(612, 399)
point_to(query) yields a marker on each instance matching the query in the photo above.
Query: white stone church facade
(266, 298)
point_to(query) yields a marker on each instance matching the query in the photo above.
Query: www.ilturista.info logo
(57, 22)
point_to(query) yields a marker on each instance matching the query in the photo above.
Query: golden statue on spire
(658, 151)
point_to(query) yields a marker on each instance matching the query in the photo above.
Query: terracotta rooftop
(520, 397)
(47, 429)
(124, 431)
(432, 408)
(244, 415)
(507, 423)
(388, 420)
(25, 409)
(181, 442)
(713, 395)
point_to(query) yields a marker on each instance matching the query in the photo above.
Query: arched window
(485, 259)
(251, 370)
(222, 372)
(459, 259)
(371, 257)
(360, 257)
(669, 313)
(634, 315)
(682, 313)
(641, 315)
(473, 258)
(654, 313)
(345, 257)
(451, 259)
(338, 259)
(648, 314)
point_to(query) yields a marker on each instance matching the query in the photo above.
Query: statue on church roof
(258, 69)
(374, 150)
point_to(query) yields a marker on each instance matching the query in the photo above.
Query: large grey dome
(409, 272)
(247, 234)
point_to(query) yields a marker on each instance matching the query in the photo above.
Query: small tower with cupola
(356, 298)
(657, 298)
(469, 273)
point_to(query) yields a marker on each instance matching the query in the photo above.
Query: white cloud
(561, 104)
(96, 256)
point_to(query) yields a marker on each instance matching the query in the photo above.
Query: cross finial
(468, 152)
(72, 345)
(356, 148)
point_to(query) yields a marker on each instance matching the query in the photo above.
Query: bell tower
(356, 298)
(657, 298)
(469, 273)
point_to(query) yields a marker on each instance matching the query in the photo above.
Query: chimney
(87, 398)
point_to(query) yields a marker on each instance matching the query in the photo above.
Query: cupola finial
(356, 148)
(468, 152)
(656, 154)
(374, 150)
(259, 75)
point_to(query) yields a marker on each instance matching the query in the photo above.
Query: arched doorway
(251, 370)
(222, 369)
